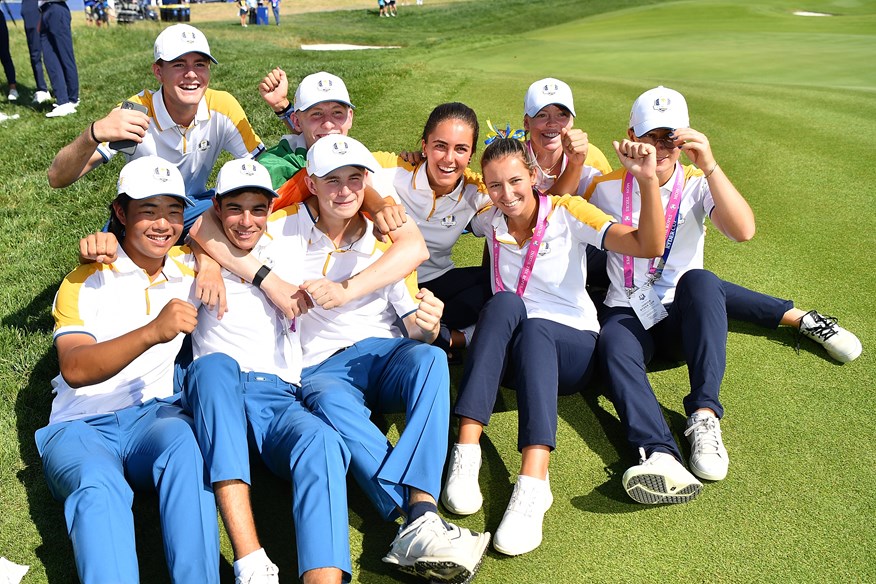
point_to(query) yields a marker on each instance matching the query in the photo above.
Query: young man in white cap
(355, 360)
(670, 304)
(115, 426)
(256, 395)
(186, 123)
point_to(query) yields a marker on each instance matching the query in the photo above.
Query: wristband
(283, 113)
(91, 129)
(711, 171)
(260, 275)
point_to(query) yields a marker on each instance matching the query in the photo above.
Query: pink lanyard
(544, 208)
(670, 216)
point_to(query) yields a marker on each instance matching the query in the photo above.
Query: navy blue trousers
(464, 291)
(30, 13)
(56, 39)
(696, 332)
(5, 57)
(538, 358)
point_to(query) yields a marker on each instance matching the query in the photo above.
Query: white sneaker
(462, 493)
(841, 344)
(265, 574)
(708, 457)
(13, 95)
(427, 548)
(520, 529)
(41, 97)
(660, 478)
(62, 110)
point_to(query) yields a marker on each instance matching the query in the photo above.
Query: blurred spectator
(30, 13)
(275, 6)
(6, 58)
(56, 39)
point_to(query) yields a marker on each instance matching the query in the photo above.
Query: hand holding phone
(128, 146)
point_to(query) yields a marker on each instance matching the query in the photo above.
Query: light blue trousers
(94, 465)
(295, 445)
(386, 375)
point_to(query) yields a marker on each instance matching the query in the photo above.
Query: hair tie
(505, 135)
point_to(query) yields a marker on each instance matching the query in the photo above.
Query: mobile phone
(128, 146)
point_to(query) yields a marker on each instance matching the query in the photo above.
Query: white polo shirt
(324, 332)
(687, 248)
(441, 218)
(107, 302)
(595, 164)
(556, 287)
(253, 331)
(220, 124)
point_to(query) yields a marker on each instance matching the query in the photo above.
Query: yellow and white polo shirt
(220, 124)
(687, 249)
(106, 302)
(556, 287)
(324, 332)
(441, 219)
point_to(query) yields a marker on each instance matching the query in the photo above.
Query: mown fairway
(788, 104)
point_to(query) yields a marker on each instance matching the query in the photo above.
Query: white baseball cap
(318, 88)
(179, 39)
(545, 92)
(660, 107)
(152, 176)
(332, 152)
(244, 174)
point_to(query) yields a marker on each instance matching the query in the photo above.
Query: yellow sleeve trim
(597, 160)
(176, 255)
(66, 307)
(583, 211)
(614, 175)
(224, 103)
(392, 160)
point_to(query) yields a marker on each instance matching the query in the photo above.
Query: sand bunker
(342, 47)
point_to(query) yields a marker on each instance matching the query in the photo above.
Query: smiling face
(152, 227)
(340, 194)
(448, 149)
(509, 184)
(244, 217)
(667, 151)
(323, 119)
(184, 82)
(544, 129)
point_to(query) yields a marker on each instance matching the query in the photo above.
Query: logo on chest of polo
(544, 249)
(448, 221)
(203, 145)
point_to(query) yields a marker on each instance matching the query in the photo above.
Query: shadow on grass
(785, 336)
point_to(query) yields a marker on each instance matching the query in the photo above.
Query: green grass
(788, 103)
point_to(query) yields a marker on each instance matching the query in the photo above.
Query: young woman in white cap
(116, 426)
(671, 305)
(537, 334)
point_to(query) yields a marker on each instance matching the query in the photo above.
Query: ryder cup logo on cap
(151, 176)
(545, 92)
(332, 152)
(318, 88)
(244, 174)
(660, 107)
(179, 39)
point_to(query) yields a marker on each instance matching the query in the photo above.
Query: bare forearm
(208, 233)
(732, 214)
(74, 160)
(94, 363)
(406, 253)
